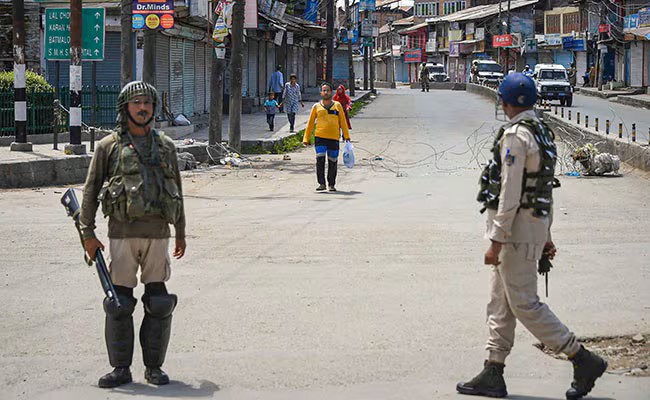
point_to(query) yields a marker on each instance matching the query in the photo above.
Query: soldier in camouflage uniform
(134, 175)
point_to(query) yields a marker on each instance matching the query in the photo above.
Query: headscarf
(341, 97)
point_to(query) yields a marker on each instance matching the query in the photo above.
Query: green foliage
(33, 81)
(356, 107)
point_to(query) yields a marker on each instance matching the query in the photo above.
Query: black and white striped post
(20, 94)
(75, 146)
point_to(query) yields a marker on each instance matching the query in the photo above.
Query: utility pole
(392, 59)
(500, 32)
(371, 59)
(215, 130)
(20, 95)
(149, 56)
(348, 24)
(234, 115)
(75, 146)
(329, 60)
(508, 48)
(126, 46)
(601, 54)
(365, 50)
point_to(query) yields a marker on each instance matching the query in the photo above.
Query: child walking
(271, 106)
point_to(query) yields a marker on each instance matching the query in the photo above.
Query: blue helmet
(518, 90)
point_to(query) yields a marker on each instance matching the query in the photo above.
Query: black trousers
(270, 119)
(292, 119)
(326, 148)
(278, 98)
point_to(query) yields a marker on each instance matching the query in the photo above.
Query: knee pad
(160, 306)
(127, 304)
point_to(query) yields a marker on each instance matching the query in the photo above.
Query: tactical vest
(127, 196)
(537, 195)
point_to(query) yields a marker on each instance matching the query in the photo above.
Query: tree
(236, 64)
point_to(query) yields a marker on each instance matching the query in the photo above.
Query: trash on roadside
(181, 120)
(188, 141)
(378, 158)
(572, 173)
(286, 157)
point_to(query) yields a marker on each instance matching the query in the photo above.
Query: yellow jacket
(328, 123)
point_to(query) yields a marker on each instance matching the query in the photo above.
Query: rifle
(71, 204)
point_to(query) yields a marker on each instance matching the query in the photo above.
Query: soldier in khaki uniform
(516, 190)
(134, 174)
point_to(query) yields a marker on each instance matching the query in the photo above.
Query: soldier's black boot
(488, 383)
(119, 338)
(119, 376)
(587, 367)
(156, 330)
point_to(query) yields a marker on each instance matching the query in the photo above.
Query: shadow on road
(174, 389)
(524, 397)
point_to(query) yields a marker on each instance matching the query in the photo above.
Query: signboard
(152, 14)
(573, 44)
(644, 17)
(502, 40)
(454, 49)
(367, 41)
(413, 56)
(311, 9)
(479, 34)
(553, 39)
(366, 28)
(469, 28)
(345, 36)
(531, 46)
(631, 22)
(397, 50)
(366, 5)
(57, 34)
(455, 35)
(431, 46)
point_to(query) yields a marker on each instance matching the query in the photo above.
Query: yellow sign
(152, 21)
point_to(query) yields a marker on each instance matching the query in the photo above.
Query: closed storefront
(188, 77)
(200, 78)
(261, 73)
(176, 76)
(253, 69)
(270, 61)
(162, 64)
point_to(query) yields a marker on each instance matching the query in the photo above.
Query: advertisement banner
(311, 9)
(631, 22)
(152, 14)
(554, 39)
(413, 56)
(366, 5)
(573, 44)
(644, 17)
(479, 34)
(454, 49)
(531, 46)
(502, 40)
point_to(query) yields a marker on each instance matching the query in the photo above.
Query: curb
(631, 101)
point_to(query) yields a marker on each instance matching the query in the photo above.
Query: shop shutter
(199, 78)
(262, 73)
(312, 69)
(209, 53)
(252, 68)
(162, 65)
(244, 71)
(176, 76)
(188, 78)
(270, 61)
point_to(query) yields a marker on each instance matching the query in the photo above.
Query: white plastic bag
(181, 120)
(348, 155)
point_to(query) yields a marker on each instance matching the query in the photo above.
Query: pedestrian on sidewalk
(573, 75)
(134, 174)
(326, 122)
(345, 101)
(276, 84)
(516, 191)
(271, 106)
(592, 76)
(292, 97)
(424, 77)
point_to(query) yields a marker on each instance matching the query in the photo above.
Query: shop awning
(640, 32)
(471, 41)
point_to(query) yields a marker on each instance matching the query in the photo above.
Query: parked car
(437, 72)
(552, 83)
(489, 72)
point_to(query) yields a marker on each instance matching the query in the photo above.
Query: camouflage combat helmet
(129, 92)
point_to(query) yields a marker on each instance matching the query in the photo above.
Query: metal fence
(45, 114)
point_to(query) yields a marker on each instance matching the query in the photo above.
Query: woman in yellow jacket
(328, 119)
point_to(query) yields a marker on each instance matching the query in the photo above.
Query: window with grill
(553, 23)
(571, 22)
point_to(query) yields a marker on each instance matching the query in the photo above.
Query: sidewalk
(45, 166)
(632, 97)
(255, 131)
